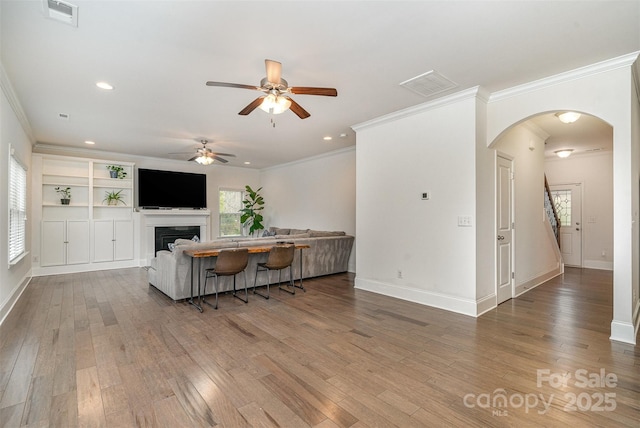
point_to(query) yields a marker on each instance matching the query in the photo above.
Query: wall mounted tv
(170, 189)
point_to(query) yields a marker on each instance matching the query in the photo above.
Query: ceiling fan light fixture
(204, 160)
(275, 104)
(568, 116)
(565, 153)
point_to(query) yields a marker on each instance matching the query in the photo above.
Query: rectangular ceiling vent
(429, 84)
(61, 11)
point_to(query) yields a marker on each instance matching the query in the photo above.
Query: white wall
(12, 279)
(316, 193)
(535, 257)
(595, 172)
(408, 247)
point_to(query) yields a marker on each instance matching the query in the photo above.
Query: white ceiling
(159, 54)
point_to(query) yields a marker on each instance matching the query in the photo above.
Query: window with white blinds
(17, 210)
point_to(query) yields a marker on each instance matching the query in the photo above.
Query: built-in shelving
(87, 233)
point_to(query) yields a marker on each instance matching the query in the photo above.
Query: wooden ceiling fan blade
(298, 110)
(274, 71)
(234, 85)
(224, 154)
(219, 159)
(305, 90)
(251, 107)
(194, 158)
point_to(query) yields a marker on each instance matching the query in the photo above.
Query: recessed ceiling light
(91, 143)
(327, 138)
(247, 163)
(104, 85)
(343, 135)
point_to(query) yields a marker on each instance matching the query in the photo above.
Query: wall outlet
(36, 259)
(464, 221)
(399, 274)
(425, 196)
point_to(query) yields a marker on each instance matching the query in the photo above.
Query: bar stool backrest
(231, 262)
(280, 257)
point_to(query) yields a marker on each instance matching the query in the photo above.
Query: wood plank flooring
(104, 349)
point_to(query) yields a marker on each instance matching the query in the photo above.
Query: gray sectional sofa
(328, 253)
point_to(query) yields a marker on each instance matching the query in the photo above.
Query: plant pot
(113, 174)
(65, 201)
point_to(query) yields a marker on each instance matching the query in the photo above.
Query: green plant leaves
(253, 204)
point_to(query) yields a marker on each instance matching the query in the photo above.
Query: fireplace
(152, 219)
(168, 234)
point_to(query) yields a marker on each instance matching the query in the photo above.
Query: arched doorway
(532, 145)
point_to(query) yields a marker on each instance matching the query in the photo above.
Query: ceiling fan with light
(276, 99)
(205, 156)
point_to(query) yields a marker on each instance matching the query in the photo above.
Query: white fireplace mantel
(150, 219)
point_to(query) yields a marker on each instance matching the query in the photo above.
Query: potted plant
(117, 171)
(253, 204)
(65, 195)
(114, 198)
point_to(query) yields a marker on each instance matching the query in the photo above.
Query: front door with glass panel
(567, 199)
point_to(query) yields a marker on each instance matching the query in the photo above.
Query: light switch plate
(464, 221)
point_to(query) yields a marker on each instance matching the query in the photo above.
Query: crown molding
(475, 92)
(311, 158)
(579, 73)
(14, 102)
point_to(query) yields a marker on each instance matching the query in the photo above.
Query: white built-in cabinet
(112, 240)
(66, 242)
(88, 233)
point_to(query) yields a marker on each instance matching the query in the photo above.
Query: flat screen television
(170, 189)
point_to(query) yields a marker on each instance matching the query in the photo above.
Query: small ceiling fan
(276, 99)
(205, 156)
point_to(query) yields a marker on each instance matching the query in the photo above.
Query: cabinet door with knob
(65, 242)
(113, 240)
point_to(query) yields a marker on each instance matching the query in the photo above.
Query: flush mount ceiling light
(568, 116)
(104, 85)
(565, 153)
(91, 143)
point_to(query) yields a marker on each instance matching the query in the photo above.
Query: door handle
(500, 237)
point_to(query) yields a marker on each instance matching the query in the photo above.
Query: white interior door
(567, 199)
(504, 211)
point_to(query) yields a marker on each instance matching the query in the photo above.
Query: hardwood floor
(105, 349)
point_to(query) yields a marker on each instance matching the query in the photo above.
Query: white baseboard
(428, 298)
(623, 332)
(485, 304)
(15, 294)
(540, 279)
(597, 264)
(88, 267)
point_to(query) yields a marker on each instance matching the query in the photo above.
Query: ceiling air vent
(429, 84)
(61, 11)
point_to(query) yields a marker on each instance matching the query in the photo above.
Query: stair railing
(550, 209)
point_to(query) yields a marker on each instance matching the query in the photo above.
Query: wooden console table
(201, 254)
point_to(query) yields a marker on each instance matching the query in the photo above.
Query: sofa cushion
(298, 231)
(279, 231)
(323, 233)
(290, 237)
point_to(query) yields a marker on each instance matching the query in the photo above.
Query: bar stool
(280, 257)
(228, 263)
